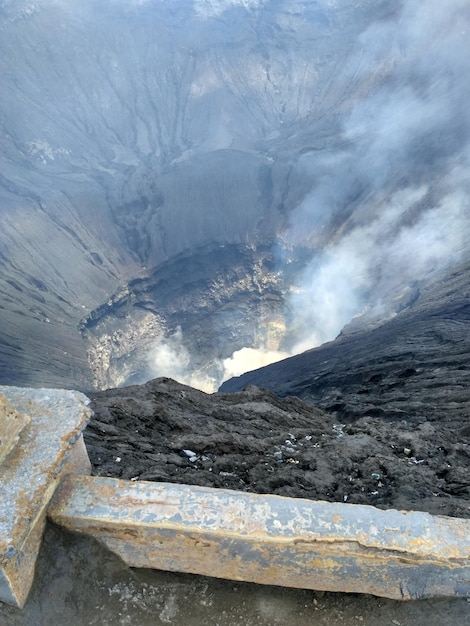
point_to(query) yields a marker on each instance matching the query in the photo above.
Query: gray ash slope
(143, 139)
(137, 132)
(413, 367)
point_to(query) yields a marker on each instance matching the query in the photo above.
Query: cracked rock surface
(254, 441)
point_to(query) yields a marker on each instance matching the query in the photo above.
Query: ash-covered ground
(254, 441)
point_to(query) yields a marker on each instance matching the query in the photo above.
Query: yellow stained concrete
(270, 539)
(48, 448)
(11, 424)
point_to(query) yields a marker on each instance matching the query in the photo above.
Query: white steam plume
(405, 168)
(170, 357)
(248, 359)
(395, 194)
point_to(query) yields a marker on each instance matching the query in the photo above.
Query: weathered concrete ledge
(270, 539)
(41, 455)
(11, 424)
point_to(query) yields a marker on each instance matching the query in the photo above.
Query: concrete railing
(270, 539)
(46, 445)
(265, 539)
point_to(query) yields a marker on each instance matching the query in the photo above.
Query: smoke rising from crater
(169, 357)
(389, 200)
(403, 174)
(137, 133)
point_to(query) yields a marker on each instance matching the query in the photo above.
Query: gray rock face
(137, 133)
(223, 296)
(130, 137)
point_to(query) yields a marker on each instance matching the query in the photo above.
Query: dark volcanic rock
(403, 383)
(254, 441)
(413, 367)
(396, 432)
(221, 296)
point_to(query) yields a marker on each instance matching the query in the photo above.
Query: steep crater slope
(133, 133)
(410, 369)
(196, 309)
(139, 138)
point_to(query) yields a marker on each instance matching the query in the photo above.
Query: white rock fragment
(192, 456)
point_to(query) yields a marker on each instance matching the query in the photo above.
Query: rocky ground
(254, 441)
(411, 366)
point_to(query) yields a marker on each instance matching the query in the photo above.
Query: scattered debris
(255, 441)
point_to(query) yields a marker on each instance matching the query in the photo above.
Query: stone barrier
(265, 539)
(42, 431)
(270, 539)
